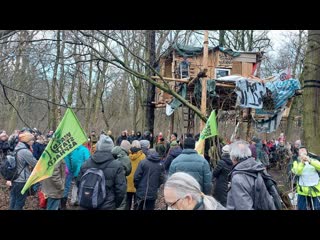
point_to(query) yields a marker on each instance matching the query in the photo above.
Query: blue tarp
(283, 90)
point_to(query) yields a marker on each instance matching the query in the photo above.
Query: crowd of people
(127, 172)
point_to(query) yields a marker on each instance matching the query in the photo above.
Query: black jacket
(220, 173)
(116, 185)
(172, 154)
(148, 177)
(4, 147)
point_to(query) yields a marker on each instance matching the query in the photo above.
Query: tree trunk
(296, 107)
(54, 85)
(311, 93)
(151, 48)
(74, 77)
(221, 37)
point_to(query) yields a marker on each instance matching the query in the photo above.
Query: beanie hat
(125, 145)
(189, 143)
(226, 149)
(26, 137)
(144, 144)
(105, 143)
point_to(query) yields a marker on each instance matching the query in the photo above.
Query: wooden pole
(174, 87)
(204, 86)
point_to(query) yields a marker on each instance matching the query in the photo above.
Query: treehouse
(184, 64)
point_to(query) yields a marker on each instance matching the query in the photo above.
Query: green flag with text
(68, 136)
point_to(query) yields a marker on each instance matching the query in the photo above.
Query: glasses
(170, 205)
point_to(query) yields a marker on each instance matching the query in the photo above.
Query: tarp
(250, 94)
(283, 90)
(269, 125)
(211, 89)
(190, 51)
(175, 103)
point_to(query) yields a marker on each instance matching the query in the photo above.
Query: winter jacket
(53, 187)
(221, 172)
(135, 158)
(38, 149)
(148, 177)
(253, 151)
(115, 179)
(122, 155)
(120, 138)
(76, 158)
(189, 161)
(161, 149)
(242, 192)
(172, 154)
(4, 147)
(25, 161)
(299, 169)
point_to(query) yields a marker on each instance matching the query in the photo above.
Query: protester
(182, 192)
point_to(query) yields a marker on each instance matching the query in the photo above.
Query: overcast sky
(277, 37)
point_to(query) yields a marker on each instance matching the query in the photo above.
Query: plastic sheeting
(283, 90)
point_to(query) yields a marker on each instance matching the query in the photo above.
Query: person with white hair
(183, 192)
(248, 190)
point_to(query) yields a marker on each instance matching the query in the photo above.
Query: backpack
(266, 194)
(92, 189)
(8, 166)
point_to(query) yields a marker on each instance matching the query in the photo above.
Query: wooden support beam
(225, 85)
(184, 80)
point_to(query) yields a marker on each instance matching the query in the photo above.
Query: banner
(68, 136)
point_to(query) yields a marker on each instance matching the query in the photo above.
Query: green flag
(68, 136)
(210, 129)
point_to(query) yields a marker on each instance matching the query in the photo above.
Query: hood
(102, 156)
(226, 158)
(22, 145)
(136, 155)
(249, 165)
(154, 157)
(119, 152)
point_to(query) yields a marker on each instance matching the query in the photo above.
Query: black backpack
(8, 166)
(92, 189)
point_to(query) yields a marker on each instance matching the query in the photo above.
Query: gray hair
(240, 149)
(136, 144)
(184, 184)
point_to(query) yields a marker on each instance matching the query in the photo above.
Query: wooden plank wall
(236, 68)
(246, 69)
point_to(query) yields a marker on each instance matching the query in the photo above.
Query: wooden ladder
(188, 115)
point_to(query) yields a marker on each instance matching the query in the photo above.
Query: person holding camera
(308, 186)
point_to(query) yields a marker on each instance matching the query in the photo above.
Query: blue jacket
(172, 154)
(76, 158)
(189, 161)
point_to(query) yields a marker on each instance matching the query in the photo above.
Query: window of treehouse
(184, 68)
(220, 72)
